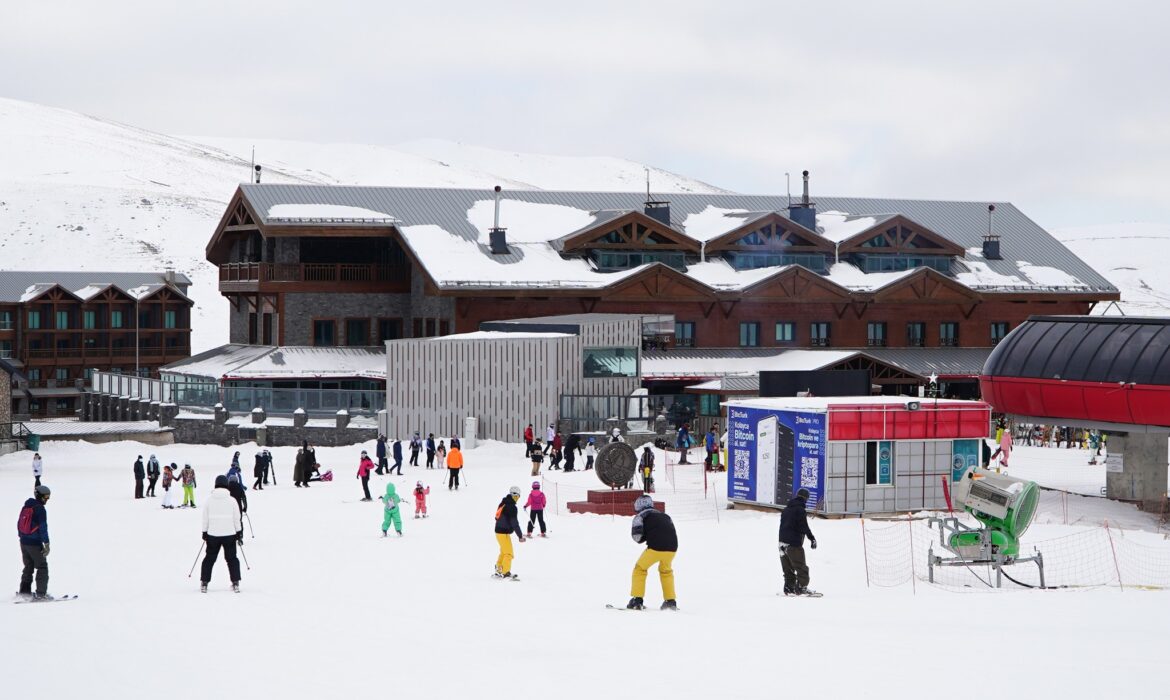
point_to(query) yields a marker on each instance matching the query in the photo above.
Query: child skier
(536, 501)
(507, 522)
(654, 528)
(420, 499)
(392, 514)
(187, 476)
(590, 453)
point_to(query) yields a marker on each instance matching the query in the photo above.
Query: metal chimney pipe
(497, 219)
(804, 200)
(990, 218)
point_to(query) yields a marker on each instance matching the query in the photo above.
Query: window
(265, 328)
(752, 261)
(876, 334)
(708, 404)
(357, 331)
(324, 333)
(253, 329)
(948, 334)
(62, 320)
(608, 260)
(117, 319)
(785, 331)
(418, 328)
(916, 334)
(33, 374)
(170, 319)
(389, 329)
(62, 374)
(819, 333)
(879, 463)
(684, 334)
(444, 327)
(5, 320)
(749, 334)
(999, 329)
(5, 349)
(610, 362)
(64, 404)
(89, 320)
(432, 330)
(34, 320)
(87, 373)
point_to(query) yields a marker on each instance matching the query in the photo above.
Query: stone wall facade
(301, 309)
(201, 431)
(5, 396)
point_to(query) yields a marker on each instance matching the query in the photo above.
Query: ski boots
(669, 605)
(789, 590)
(202, 587)
(635, 604)
(383, 533)
(235, 586)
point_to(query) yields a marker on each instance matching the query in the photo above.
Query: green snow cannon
(1003, 504)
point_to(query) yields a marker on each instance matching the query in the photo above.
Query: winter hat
(644, 502)
(514, 492)
(42, 491)
(221, 482)
(418, 484)
(390, 490)
(802, 494)
(591, 441)
(233, 479)
(536, 485)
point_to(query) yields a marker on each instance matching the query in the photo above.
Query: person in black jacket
(33, 529)
(793, 530)
(236, 489)
(572, 449)
(397, 457)
(507, 522)
(258, 472)
(380, 451)
(139, 476)
(153, 472)
(431, 451)
(654, 528)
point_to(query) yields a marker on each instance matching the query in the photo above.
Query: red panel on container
(896, 422)
(1091, 401)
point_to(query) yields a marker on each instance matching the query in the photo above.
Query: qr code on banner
(742, 467)
(808, 471)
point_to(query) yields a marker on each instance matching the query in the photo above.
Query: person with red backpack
(33, 529)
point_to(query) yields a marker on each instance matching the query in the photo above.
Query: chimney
(169, 276)
(498, 237)
(991, 240)
(659, 211)
(805, 212)
(257, 174)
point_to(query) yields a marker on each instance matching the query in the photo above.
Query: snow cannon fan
(1004, 505)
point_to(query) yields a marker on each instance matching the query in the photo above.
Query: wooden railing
(310, 272)
(175, 351)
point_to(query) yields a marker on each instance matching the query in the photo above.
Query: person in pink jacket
(420, 499)
(1005, 447)
(536, 501)
(365, 466)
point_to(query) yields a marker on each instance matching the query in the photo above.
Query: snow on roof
(852, 277)
(980, 275)
(217, 362)
(715, 364)
(326, 212)
(713, 222)
(91, 290)
(1048, 276)
(35, 290)
(21, 286)
(313, 362)
(823, 404)
(839, 226)
(528, 222)
(499, 335)
(719, 274)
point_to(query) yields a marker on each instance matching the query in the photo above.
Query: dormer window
(613, 260)
(898, 263)
(752, 260)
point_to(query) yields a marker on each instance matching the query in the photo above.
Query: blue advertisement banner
(773, 453)
(964, 456)
(885, 475)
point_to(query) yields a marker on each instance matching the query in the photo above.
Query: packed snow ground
(331, 609)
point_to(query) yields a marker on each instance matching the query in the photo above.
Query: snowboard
(810, 594)
(622, 608)
(513, 577)
(56, 599)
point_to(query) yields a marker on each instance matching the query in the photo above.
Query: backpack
(25, 524)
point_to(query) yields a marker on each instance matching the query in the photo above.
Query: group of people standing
(556, 448)
(151, 472)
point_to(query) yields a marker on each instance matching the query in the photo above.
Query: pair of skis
(20, 599)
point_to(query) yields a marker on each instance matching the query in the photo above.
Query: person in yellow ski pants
(656, 530)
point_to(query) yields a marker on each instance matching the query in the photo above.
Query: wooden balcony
(108, 355)
(313, 277)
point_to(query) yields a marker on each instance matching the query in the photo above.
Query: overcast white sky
(1061, 107)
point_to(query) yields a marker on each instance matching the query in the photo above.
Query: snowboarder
(139, 476)
(536, 455)
(168, 478)
(258, 472)
(397, 457)
(572, 449)
(415, 447)
(380, 452)
(507, 522)
(683, 442)
(656, 530)
(529, 435)
(268, 466)
(365, 466)
(793, 530)
(590, 453)
(536, 501)
(391, 514)
(420, 499)
(32, 527)
(187, 476)
(38, 469)
(454, 465)
(646, 469)
(431, 451)
(222, 529)
(152, 473)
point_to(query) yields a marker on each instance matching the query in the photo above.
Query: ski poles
(192, 571)
(245, 556)
(249, 519)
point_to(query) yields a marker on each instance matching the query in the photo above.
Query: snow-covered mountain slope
(1133, 257)
(82, 193)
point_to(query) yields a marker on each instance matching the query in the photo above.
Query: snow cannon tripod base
(976, 547)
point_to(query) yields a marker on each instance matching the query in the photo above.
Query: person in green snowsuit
(392, 514)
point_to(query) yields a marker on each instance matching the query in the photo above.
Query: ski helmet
(514, 492)
(42, 491)
(418, 484)
(643, 502)
(536, 485)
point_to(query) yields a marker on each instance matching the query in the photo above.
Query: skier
(616, 435)
(536, 455)
(32, 527)
(258, 472)
(168, 478)
(152, 473)
(590, 454)
(222, 529)
(711, 442)
(236, 489)
(529, 435)
(139, 475)
(654, 528)
(365, 466)
(507, 522)
(550, 433)
(187, 476)
(38, 469)
(415, 446)
(682, 442)
(455, 442)
(646, 469)
(793, 530)
(536, 501)
(235, 471)
(397, 457)
(420, 499)
(572, 449)
(556, 453)
(431, 451)
(380, 452)
(454, 465)
(392, 514)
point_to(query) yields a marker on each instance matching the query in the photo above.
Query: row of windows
(61, 374)
(819, 333)
(751, 261)
(899, 263)
(357, 330)
(90, 320)
(625, 260)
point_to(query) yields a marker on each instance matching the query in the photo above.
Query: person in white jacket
(222, 529)
(38, 469)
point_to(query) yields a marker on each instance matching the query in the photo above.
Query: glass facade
(871, 262)
(610, 362)
(624, 260)
(751, 261)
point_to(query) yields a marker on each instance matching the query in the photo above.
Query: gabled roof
(941, 246)
(588, 237)
(17, 286)
(925, 284)
(815, 240)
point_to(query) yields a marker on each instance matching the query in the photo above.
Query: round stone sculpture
(615, 464)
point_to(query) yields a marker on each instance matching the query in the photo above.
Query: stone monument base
(611, 502)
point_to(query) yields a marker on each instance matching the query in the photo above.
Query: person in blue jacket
(683, 442)
(33, 529)
(711, 444)
(431, 451)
